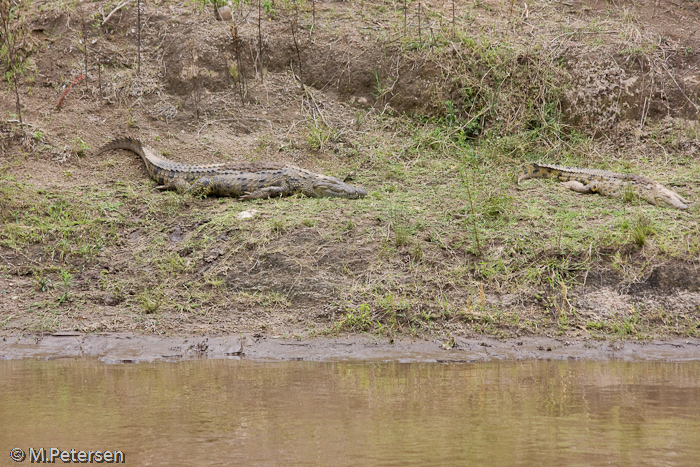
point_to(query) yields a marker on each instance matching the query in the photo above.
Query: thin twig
(17, 121)
(296, 44)
(114, 11)
(209, 122)
(138, 35)
(8, 262)
(405, 8)
(99, 75)
(679, 87)
(471, 205)
(65, 93)
(260, 37)
(420, 40)
(85, 46)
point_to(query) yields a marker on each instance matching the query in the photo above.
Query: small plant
(359, 119)
(130, 120)
(278, 226)
(269, 7)
(448, 344)
(357, 320)
(233, 71)
(14, 45)
(380, 89)
(172, 263)
(218, 3)
(402, 227)
(402, 234)
(66, 280)
(640, 229)
(43, 284)
(348, 226)
(319, 134)
(628, 194)
(467, 184)
(80, 147)
(495, 205)
(150, 300)
(417, 252)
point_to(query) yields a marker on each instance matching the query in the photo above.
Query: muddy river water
(241, 412)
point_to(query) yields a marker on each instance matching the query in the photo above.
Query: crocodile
(245, 181)
(605, 183)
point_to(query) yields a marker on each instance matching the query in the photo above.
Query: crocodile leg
(180, 185)
(601, 187)
(203, 186)
(263, 193)
(580, 187)
(678, 197)
(223, 186)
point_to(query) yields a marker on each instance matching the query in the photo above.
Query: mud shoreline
(130, 348)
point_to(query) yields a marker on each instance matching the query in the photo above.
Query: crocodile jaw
(334, 188)
(664, 196)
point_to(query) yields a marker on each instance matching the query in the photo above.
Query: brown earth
(203, 96)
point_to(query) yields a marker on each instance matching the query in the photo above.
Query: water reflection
(240, 412)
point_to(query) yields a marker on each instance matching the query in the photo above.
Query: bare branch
(114, 11)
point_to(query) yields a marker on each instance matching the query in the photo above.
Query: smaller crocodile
(605, 183)
(248, 180)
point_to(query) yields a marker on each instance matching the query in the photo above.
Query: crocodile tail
(126, 142)
(527, 171)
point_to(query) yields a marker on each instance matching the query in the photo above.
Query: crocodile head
(334, 188)
(665, 197)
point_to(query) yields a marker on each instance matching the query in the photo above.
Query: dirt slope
(432, 115)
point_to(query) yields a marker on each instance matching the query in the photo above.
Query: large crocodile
(606, 183)
(249, 180)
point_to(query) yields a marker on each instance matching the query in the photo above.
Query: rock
(110, 300)
(247, 214)
(225, 13)
(176, 234)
